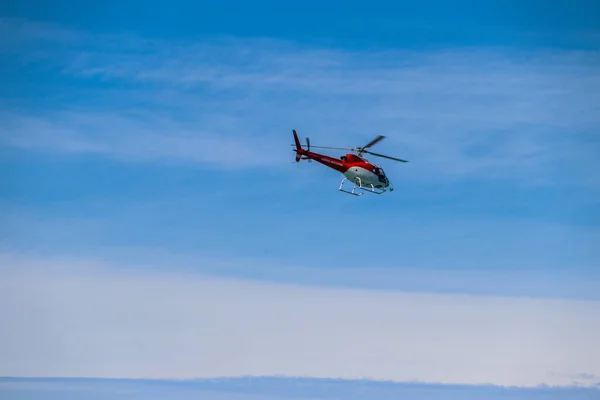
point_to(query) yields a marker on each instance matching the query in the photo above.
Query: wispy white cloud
(523, 115)
(480, 253)
(76, 318)
(134, 138)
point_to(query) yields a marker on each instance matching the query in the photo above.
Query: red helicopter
(365, 175)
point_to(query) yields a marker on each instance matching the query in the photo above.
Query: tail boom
(301, 154)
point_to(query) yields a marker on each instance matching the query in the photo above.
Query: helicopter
(366, 176)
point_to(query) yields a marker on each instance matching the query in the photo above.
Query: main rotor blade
(381, 155)
(335, 148)
(372, 142)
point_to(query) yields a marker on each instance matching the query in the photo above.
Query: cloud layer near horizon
(80, 319)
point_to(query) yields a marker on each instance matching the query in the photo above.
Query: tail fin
(299, 150)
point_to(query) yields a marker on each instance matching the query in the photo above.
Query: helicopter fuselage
(355, 168)
(361, 175)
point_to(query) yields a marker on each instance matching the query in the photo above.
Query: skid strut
(353, 189)
(358, 185)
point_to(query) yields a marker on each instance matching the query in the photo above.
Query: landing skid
(367, 188)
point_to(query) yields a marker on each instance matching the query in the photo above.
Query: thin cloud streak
(82, 319)
(132, 138)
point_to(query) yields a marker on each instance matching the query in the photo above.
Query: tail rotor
(301, 154)
(307, 149)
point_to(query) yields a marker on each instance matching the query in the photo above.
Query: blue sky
(270, 389)
(142, 144)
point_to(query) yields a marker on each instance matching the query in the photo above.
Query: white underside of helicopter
(365, 180)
